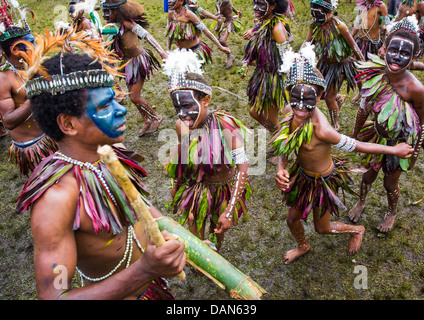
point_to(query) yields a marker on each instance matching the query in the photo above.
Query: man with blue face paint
(80, 216)
(106, 113)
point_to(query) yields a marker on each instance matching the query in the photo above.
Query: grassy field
(256, 246)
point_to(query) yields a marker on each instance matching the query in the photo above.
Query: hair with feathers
(36, 55)
(184, 70)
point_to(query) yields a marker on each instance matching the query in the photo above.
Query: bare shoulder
(340, 24)
(322, 127)
(63, 195)
(191, 16)
(279, 32)
(417, 90)
(129, 24)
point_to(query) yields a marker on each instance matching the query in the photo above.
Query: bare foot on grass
(293, 254)
(356, 241)
(387, 223)
(356, 211)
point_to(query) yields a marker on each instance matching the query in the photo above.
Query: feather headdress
(300, 67)
(36, 55)
(87, 6)
(180, 62)
(409, 23)
(328, 4)
(10, 29)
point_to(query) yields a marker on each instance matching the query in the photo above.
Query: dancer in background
(140, 63)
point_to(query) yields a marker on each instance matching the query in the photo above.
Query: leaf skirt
(306, 192)
(141, 67)
(336, 73)
(366, 46)
(196, 202)
(389, 163)
(28, 158)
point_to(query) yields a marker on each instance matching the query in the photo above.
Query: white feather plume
(334, 3)
(14, 3)
(288, 59)
(307, 51)
(413, 20)
(182, 61)
(62, 25)
(87, 6)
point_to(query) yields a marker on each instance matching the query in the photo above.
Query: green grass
(256, 246)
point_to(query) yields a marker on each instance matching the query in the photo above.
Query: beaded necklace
(61, 156)
(127, 256)
(131, 234)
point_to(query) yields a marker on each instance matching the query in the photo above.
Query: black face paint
(187, 107)
(303, 97)
(399, 54)
(171, 3)
(319, 14)
(260, 8)
(106, 14)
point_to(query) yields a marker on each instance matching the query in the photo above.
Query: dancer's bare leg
(391, 184)
(367, 180)
(298, 232)
(323, 225)
(151, 119)
(223, 41)
(219, 236)
(333, 107)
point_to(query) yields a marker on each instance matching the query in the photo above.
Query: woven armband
(201, 26)
(200, 9)
(283, 48)
(346, 143)
(139, 31)
(238, 155)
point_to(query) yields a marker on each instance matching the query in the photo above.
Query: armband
(200, 9)
(346, 143)
(238, 155)
(201, 26)
(385, 20)
(283, 48)
(139, 31)
(422, 22)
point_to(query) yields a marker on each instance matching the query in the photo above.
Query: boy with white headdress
(311, 185)
(209, 165)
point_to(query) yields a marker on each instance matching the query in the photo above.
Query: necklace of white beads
(89, 166)
(127, 257)
(130, 236)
